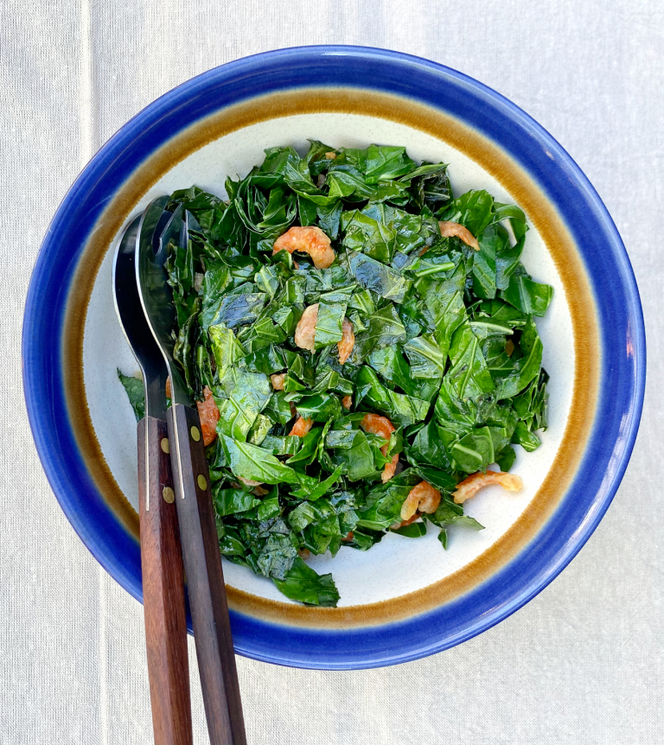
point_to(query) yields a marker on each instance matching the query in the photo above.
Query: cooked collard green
(445, 347)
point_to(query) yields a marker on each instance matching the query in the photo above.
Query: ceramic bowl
(404, 598)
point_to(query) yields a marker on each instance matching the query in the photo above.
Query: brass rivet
(165, 446)
(195, 434)
(202, 483)
(168, 494)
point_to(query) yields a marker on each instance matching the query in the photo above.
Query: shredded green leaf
(445, 347)
(136, 393)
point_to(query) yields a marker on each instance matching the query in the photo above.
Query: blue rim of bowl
(616, 298)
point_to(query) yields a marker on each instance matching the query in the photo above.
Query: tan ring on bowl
(525, 192)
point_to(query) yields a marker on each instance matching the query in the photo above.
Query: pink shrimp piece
(209, 416)
(449, 229)
(347, 402)
(310, 240)
(421, 498)
(377, 425)
(305, 331)
(345, 346)
(249, 482)
(278, 381)
(383, 427)
(301, 427)
(390, 468)
(470, 486)
(403, 523)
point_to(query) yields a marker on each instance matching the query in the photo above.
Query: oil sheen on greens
(446, 347)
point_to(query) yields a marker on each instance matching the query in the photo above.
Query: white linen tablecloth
(581, 663)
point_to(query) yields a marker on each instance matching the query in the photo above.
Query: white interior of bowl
(397, 565)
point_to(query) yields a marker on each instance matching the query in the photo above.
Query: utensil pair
(177, 522)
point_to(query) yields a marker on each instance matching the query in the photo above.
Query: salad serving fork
(144, 305)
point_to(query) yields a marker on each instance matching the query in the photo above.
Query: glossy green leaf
(472, 209)
(377, 277)
(329, 323)
(232, 501)
(528, 296)
(226, 349)
(304, 584)
(247, 394)
(135, 392)
(256, 464)
(363, 233)
(398, 407)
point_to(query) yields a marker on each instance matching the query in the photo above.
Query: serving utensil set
(177, 523)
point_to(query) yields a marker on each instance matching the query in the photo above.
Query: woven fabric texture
(583, 662)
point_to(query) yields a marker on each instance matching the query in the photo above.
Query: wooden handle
(163, 589)
(205, 579)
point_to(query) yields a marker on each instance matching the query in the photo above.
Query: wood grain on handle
(205, 580)
(163, 591)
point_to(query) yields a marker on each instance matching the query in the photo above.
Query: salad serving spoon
(161, 561)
